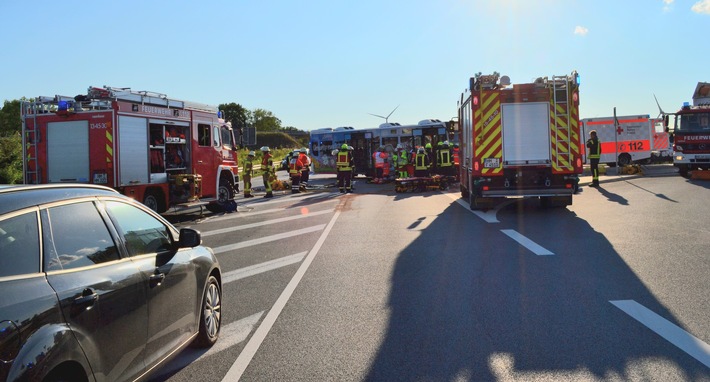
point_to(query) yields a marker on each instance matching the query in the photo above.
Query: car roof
(17, 197)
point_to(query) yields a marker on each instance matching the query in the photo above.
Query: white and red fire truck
(520, 140)
(160, 151)
(629, 139)
(691, 132)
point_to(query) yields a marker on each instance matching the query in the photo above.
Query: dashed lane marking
(266, 239)
(527, 243)
(262, 267)
(685, 341)
(265, 222)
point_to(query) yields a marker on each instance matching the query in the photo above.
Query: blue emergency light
(686, 105)
(63, 106)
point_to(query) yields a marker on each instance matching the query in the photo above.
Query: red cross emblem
(619, 130)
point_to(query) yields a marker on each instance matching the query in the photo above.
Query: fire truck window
(203, 135)
(215, 136)
(227, 137)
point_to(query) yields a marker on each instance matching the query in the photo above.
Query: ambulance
(629, 139)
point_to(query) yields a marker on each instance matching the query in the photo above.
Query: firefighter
(401, 160)
(247, 173)
(378, 158)
(594, 148)
(306, 160)
(429, 150)
(421, 163)
(269, 175)
(446, 166)
(345, 169)
(295, 169)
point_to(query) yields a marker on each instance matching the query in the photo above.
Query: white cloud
(667, 7)
(582, 31)
(702, 6)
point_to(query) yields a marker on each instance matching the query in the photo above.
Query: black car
(96, 287)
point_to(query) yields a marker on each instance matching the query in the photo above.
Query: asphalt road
(384, 286)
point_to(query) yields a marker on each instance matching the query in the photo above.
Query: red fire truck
(520, 140)
(691, 132)
(160, 151)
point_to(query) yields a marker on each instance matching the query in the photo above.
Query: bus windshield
(697, 122)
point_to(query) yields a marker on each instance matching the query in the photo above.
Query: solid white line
(489, 216)
(261, 267)
(264, 222)
(527, 243)
(266, 239)
(688, 343)
(247, 354)
(241, 214)
(229, 335)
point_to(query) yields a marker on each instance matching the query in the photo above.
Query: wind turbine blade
(659, 105)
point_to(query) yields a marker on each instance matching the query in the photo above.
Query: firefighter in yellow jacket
(247, 173)
(269, 174)
(344, 163)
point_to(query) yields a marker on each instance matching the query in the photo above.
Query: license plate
(491, 162)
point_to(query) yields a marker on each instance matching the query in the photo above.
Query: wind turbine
(388, 115)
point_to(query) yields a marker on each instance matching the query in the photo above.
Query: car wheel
(211, 314)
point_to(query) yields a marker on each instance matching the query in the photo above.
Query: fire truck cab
(691, 133)
(160, 151)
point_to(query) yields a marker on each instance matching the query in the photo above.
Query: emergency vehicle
(160, 151)
(520, 140)
(632, 139)
(691, 132)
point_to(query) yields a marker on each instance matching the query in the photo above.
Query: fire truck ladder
(562, 133)
(30, 137)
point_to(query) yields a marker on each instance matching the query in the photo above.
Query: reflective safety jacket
(295, 166)
(248, 168)
(344, 161)
(267, 164)
(595, 148)
(421, 162)
(445, 158)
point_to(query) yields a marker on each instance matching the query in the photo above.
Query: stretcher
(421, 184)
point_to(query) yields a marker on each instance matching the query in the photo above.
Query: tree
(235, 113)
(264, 120)
(11, 158)
(10, 121)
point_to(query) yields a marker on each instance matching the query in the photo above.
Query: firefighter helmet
(303, 150)
(399, 146)
(344, 146)
(265, 149)
(251, 153)
(428, 145)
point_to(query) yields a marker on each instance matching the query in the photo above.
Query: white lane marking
(229, 335)
(488, 216)
(527, 243)
(247, 354)
(262, 267)
(240, 214)
(266, 239)
(687, 342)
(265, 222)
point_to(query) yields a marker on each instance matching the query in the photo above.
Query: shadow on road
(479, 310)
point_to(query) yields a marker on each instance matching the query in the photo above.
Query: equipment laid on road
(521, 140)
(419, 184)
(629, 139)
(160, 151)
(691, 133)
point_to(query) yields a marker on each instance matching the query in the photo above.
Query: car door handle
(156, 279)
(87, 299)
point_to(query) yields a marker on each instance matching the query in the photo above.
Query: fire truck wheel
(225, 192)
(154, 201)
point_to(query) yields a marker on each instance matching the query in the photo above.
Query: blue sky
(331, 63)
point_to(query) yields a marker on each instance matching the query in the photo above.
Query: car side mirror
(189, 238)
